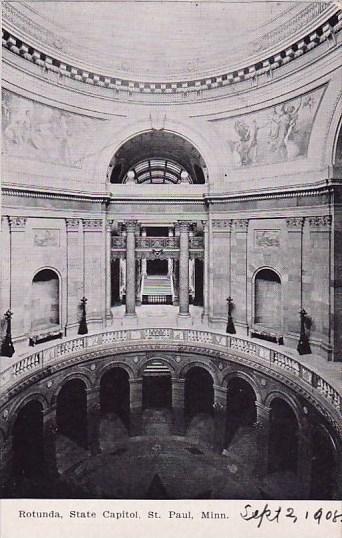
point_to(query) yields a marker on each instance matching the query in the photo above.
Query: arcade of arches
(197, 200)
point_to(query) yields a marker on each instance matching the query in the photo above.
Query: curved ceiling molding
(325, 22)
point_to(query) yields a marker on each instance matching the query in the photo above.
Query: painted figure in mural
(61, 133)
(246, 147)
(282, 128)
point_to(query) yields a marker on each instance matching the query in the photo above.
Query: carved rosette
(17, 224)
(72, 225)
(295, 224)
(241, 225)
(92, 225)
(320, 223)
(222, 225)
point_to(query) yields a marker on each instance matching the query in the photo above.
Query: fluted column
(130, 268)
(109, 226)
(184, 269)
(205, 270)
(263, 430)
(135, 404)
(178, 405)
(220, 410)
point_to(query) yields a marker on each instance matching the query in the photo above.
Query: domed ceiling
(161, 41)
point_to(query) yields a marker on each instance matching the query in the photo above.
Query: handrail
(44, 358)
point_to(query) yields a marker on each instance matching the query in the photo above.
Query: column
(170, 260)
(205, 270)
(178, 406)
(94, 272)
(293, 302)
(19, 287)
(262, 434)
(49, 439)
(144, 260)
(220, 409)
(109, 227)
(239, 272)
(220, 268)
(135, 403)
(184, 269)
(130, 268)
(93, 420)
(74, 241)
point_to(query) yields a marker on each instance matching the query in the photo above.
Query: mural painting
(275, 134)
(35, 131)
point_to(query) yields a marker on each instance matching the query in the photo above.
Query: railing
(119, 243)
(157, 242)
(275, 360)
(196, 242)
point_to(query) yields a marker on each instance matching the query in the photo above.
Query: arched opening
(338, 148)
(45, 300)
(157, 386)
(283, 438)
(323, 468)
(267, 299)
(241, 409)
(28, 444)
(199, 393)
(115, 394)
(115, 282)
(158, 157)
(71, 412)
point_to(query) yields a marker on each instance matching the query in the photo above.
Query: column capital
(224, 225)
(17, 224)
(295, 224)
(321, 222)
(92, 225)
(241, 225)
(109, 225)
(131, 225)
(72, 225)
(184, 225)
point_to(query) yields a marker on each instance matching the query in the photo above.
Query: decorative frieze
(72, 225)
(266, 238)
(92, 225)
(241, 225)
(222, 225)
(46, 237)
(17, 224)
(295, 224)
(321, 222)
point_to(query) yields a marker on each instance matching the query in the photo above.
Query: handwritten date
(275, 515)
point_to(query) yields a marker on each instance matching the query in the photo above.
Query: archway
(198, 393)
(157, 386)
(28, 444)
(323, 467)
(283, 437)
(267, 299)
(71, 412)
(45, 300)
(115, 394)
(241, 409)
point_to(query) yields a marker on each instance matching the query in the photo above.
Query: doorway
(157, 267)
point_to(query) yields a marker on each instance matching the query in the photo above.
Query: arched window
(267, 299)
(45, 300)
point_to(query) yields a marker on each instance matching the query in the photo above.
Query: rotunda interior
(171, 252)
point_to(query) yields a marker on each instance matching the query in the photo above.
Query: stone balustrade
(268, 359)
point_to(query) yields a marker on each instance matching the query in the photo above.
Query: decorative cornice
(17, 224)
(92, 225)
(264, 66)
(322, 222)
(72, 225)
(295, 224)
(241, 225)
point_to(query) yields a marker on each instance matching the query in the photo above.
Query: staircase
(157, 289)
